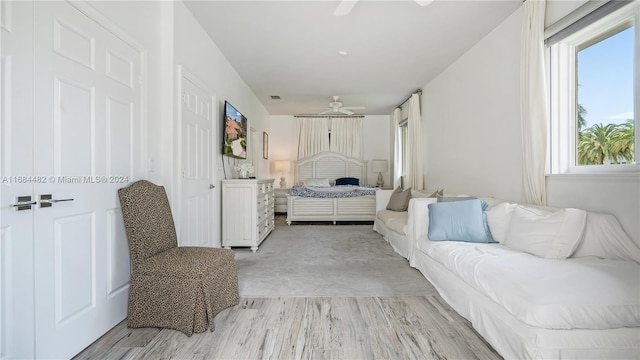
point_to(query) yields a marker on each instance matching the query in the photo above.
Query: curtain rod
(419, 92)
(335, 116)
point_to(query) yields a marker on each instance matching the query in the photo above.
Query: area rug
(327, 260)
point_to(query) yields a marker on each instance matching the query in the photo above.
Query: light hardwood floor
(419, 327)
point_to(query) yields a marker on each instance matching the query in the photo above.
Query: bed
(331, 166)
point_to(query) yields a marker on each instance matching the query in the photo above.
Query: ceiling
(290, 48)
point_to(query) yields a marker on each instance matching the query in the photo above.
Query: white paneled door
(198, 188)
(16, 154)
(85, 144)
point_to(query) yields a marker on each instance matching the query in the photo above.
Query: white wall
(471, 121)
(283, 143)
(145, 22)
(172, 37)
(376, 145)
(195, 50)
(198, 54)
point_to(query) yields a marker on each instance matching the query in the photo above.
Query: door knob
(47, 201)
(211, 186)
(23, 203)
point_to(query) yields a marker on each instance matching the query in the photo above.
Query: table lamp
(283, 166)
(379, 166)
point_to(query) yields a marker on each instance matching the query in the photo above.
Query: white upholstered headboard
(330, 165)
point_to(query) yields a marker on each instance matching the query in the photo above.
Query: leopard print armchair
(181, 288)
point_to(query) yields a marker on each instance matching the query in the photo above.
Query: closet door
(16, 168)
(198, 178)
(75, 138)
(87, 119)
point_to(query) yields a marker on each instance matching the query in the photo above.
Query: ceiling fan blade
(423, 2)
(344, 8)
(354, 107)
(326, 112)
(345, 111)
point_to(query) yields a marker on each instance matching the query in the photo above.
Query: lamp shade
(378, 166)
(283, 165)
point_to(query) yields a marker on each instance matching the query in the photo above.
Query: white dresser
(247, 212)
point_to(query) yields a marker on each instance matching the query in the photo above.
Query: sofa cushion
(399, 200)
(458, 221)
(585, 293)
(554, 236)
(394, 220)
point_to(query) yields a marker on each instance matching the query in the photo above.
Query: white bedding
(317, 205)
(338, 188)
(544, 292)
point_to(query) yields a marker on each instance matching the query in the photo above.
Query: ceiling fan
(345, 6)
(336, 106)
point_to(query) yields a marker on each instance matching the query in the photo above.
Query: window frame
(562, 83)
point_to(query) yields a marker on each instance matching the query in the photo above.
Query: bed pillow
(317, 182)
(348, 181)
(553, 236)
(459, 221)
(399, 200)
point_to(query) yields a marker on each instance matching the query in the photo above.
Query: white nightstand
(280, 197)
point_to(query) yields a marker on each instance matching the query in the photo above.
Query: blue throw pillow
(459, 221)
(348, 181)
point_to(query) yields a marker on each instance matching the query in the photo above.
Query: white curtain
(415, 156)
(313, 136)
(346, 136)
(396, 117)
(533, 102)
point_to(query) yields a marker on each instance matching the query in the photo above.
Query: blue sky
(605, 77)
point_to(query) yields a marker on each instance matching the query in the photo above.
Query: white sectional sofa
(392, 225)
(529, 307)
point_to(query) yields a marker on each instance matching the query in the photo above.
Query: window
(594, 86)
(403, 138)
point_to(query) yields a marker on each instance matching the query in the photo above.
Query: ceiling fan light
(337, 107)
